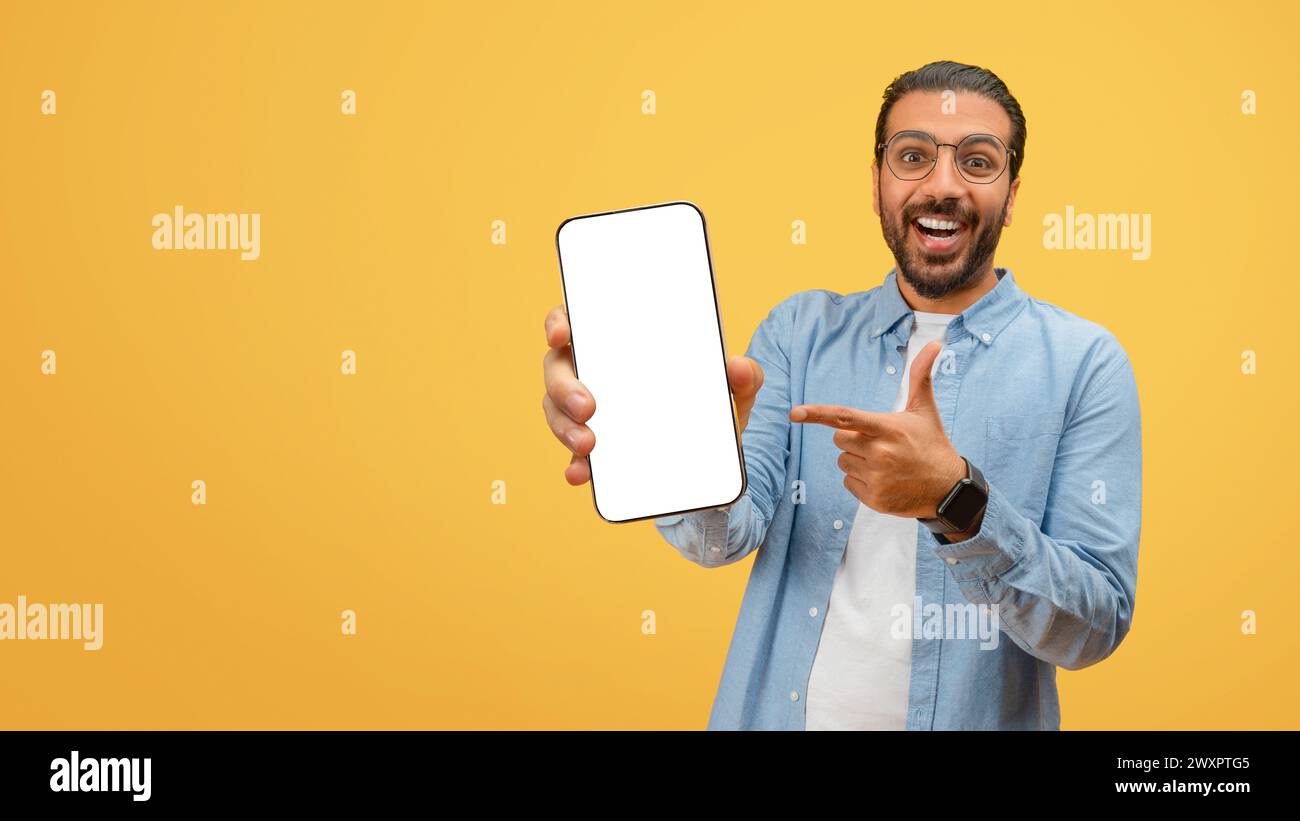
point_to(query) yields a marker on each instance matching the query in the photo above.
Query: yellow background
(374, 492)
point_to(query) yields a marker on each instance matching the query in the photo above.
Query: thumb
(920, 395)
(745, 377)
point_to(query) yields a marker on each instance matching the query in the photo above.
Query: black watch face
(965, 506)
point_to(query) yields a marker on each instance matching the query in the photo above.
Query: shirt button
(951, 560)
(812, 611)
(837, 524)
(794, 695)
(891, 369)
(713, 548)
(986, 337)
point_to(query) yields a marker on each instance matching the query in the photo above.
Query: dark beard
(970, 264)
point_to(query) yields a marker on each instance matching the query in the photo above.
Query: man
(928, 458)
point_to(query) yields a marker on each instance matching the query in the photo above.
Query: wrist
(949, 477)
(963, 501)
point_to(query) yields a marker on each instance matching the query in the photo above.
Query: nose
(943, 182)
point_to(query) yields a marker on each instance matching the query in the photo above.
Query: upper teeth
(942, 225)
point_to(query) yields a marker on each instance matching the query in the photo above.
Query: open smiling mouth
(940, 235)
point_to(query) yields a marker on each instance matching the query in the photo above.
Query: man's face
(937, 268)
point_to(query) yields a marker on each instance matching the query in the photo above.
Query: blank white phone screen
(647, 342)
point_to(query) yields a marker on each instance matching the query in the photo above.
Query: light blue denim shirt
(1044, 402)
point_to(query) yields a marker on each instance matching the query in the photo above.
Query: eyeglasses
(980, 158)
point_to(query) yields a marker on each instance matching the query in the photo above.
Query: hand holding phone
(567, 403)
(644, 334)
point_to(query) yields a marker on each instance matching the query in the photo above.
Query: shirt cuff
(707, 539)
(994, 549)
(712, 526)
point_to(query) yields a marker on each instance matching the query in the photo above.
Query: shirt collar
(984, 320)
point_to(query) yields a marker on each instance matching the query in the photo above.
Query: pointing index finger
(838, 416)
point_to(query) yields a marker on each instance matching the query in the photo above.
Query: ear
(875, 188)
(1011, 201)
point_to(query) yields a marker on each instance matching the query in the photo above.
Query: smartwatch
(962, 507)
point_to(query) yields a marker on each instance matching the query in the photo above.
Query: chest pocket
(1019, 452)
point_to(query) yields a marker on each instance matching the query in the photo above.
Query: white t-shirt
(861, 674)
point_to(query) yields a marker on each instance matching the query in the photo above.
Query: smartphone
(647, 341)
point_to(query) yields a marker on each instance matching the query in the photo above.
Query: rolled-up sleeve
(1065, 592)
(717, 537)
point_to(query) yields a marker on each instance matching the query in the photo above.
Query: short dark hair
(945, 74)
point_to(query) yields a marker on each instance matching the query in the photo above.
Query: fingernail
(575, 404)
